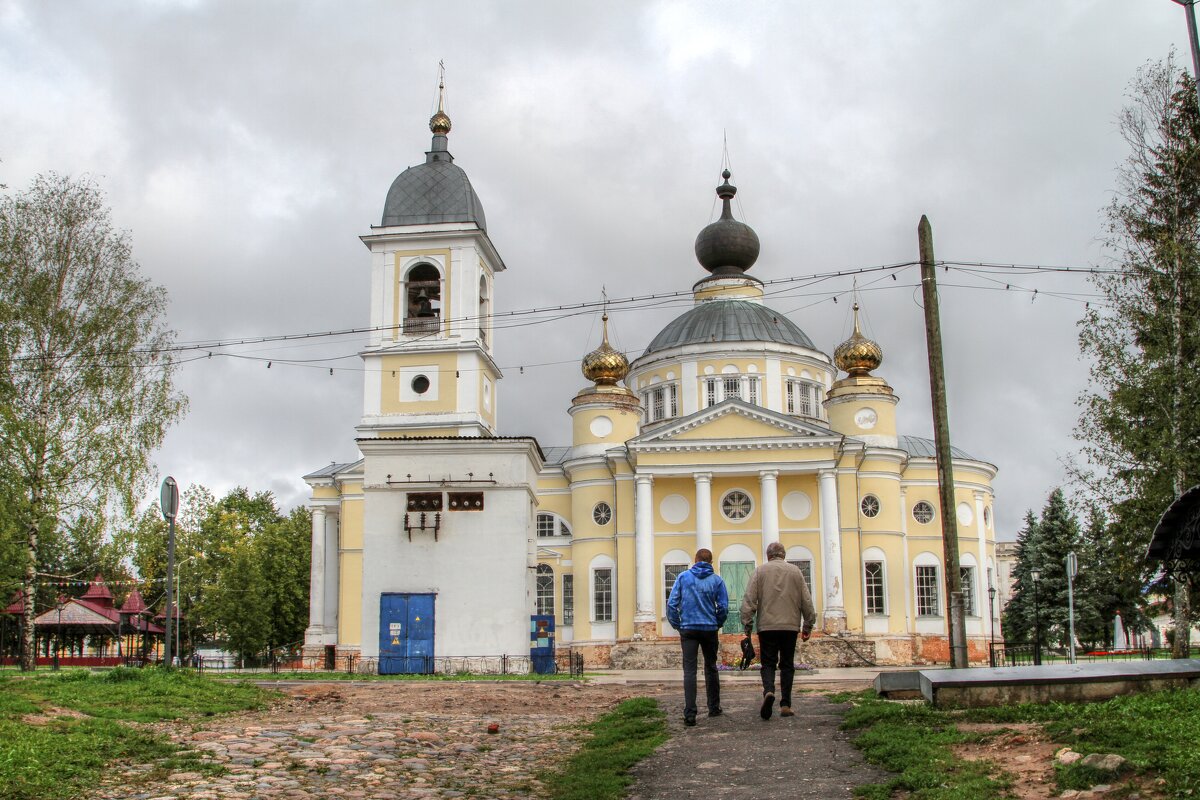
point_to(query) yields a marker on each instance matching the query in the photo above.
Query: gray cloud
(248, 145)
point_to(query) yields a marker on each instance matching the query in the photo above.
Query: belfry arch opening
(423, 299)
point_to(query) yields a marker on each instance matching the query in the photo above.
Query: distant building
(1006, 561)
(730, 432)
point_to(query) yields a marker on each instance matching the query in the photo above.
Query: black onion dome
(436, 191)
(729, 321)
(727, 247)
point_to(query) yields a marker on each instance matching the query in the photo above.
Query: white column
(333, 563)
(768, 485)
(908, 567)
(703, 510)
(643, 543)
(831, 555)
(982, 578)
(314, 635)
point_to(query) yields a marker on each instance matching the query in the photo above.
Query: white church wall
(479, 565)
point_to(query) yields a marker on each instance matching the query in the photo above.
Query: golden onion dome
(439, 123)
(858, 355)
(605, 366)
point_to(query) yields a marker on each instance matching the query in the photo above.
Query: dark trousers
(705, 641)
(778, 648)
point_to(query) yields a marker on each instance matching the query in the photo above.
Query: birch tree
(86, 393)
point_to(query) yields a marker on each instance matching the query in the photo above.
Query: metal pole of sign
(169, 502)
(1072, 570)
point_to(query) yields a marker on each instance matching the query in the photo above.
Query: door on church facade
(736, 575)
(405, 633)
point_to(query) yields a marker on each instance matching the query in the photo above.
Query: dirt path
(740, 755)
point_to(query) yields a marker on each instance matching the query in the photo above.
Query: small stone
(1070, 794)
(1067, 756)
(1100, 788)
(708, 765)
(1110, 762)
(426, 736)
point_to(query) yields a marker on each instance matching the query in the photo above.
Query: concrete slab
(899, 685)
(1098, 680)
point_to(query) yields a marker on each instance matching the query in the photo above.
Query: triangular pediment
(736, 420)
(72, 613)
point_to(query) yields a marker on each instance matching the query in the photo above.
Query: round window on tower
(420, 384)
(870, 506)
(923, 512)
(602, 514)
(736, 505)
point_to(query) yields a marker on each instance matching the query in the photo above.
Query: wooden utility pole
(957, 629)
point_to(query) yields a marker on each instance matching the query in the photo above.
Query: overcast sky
(247, 145)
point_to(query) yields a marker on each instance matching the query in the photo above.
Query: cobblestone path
(384, 740)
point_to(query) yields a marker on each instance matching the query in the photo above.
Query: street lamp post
(992, 611)
(1037, 621)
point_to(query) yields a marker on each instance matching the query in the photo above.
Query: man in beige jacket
(779, 596)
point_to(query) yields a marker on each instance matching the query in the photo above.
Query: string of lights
(778, 288)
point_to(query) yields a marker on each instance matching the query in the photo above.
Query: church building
(731, 431)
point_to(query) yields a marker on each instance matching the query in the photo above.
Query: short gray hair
(775, 550)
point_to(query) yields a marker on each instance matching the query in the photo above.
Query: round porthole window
(870, 506)
(602, 514)
(420, 384)
(923, 512)
(736, 505)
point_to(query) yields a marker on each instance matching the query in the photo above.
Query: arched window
(926, 568)
(423, 299)
(552, 525)
(874, 581)
(545, 590)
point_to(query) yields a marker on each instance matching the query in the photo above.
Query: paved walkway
(739, 755)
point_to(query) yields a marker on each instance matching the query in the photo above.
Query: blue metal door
(405, 633)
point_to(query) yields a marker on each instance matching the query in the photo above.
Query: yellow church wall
(887, 491)
(326, 493)
(351, 528)
(731, 426)
(665, 487)
(623, 422)
(626, 587)
(551, 481)
(350, 598)
(556, 503)
(722, 485)
(742, 365)
(439, 257)
(392, 374)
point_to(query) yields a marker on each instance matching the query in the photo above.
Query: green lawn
(619, 739)
(49, 751)
(1157, 732)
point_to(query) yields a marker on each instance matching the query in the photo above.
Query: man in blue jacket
(697, 608)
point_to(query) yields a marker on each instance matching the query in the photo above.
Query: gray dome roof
(729, 321)
(436, 191)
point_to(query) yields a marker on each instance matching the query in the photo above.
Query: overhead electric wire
(519, 318)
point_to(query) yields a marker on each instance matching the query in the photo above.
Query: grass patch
(1154, 731)
(620, 739)
(914, 741)
(53, 755)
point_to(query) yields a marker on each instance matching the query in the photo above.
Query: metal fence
(1027, 654)
(566, 661)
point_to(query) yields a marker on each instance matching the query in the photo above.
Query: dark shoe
(768, 704)
(690, 721)
(718, 712)
(786, 711)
